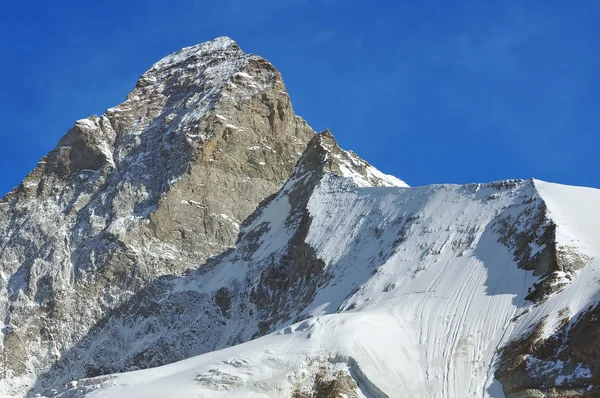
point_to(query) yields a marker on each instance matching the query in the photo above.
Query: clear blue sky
(429, 91)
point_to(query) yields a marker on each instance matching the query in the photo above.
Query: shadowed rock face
(559, 366)
(563, 364)
(155, 186)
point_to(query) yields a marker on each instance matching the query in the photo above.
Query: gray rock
(155, 186)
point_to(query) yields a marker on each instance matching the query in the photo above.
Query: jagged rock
(155, 186)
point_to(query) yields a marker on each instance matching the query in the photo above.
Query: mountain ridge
(351, 298)
(202, 213)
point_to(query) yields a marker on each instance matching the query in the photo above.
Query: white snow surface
(576, 211)
(422, 294)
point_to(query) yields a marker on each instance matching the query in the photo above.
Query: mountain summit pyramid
(202, 221)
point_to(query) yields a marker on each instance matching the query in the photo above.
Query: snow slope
(421, 294)
(576, 211)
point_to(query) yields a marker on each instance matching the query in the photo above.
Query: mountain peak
(347, 164)
(202, 213)
(213, 55)
(154, 186)
(219, 47)
(157, 185)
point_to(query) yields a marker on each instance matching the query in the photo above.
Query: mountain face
(155, 186)
(202, 214)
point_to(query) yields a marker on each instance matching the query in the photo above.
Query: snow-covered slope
(420, 290)
(576, 211)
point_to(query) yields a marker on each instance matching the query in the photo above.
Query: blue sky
(429, 91)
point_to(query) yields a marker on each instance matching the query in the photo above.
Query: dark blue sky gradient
(429, 91)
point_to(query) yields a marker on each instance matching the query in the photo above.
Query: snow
(349, 162)
(389, 180)
(87, 124)
(120, 225)
(437, 290)
(244, 75)
(420, 299)
(235, 223)
(183, 55)
(575, 210)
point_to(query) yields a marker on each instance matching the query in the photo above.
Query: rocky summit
(200, 239)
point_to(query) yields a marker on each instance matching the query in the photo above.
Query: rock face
(155, 186)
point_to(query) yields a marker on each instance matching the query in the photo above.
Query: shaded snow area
(421, 295)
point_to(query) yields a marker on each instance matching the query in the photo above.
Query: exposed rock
(559, 366)
(537, 365)
(326, 383)
(155, 186)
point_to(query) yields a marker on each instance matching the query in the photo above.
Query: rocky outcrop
(561, 365)
(323, 382)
